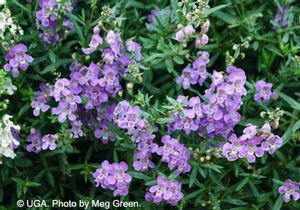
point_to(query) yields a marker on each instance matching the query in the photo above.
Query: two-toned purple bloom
(290, 190)
(264, 91)
(195, 73)
(175, 154)
(114, 177)
(49, 141)
(17, 59)
(165, 191)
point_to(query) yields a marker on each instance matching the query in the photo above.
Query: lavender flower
(40, 100)
(17, 59)
(189, 77)
(175, 154)
(144, 152)
(49, 141)
(281, 17)
(165, 191)
(114, 177)
(35, 141)
(289, 190)
(264, 91)
(95, 41)
(152, 14)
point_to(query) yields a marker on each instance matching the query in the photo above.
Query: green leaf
(52, 56)
(214, 9)
(53, 66)
(294, 104)
(193, 177)
(296, 126)
(164, 120)
(278, 203)
(139, 175)
(169, 65)
(242, 184)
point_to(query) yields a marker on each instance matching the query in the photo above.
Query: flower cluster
(175, 154)
(219, 116)
(17, 58)
(8, 139)
(264, 91)
(196, 73)
(165, 190)
(114, 177)
(129, 117)
(281, 17)
(289, 190)
(53, 19)
(38, 143)
(253, 143)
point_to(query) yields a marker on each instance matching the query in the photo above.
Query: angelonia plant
(187, 104)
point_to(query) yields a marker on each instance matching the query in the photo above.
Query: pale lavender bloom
(189, 76)
(95, 41)
(76, 129)
(135, 48)
(175, 154)
(35, 141)
(203, 40)
(289, 190)
(272, 143)
(114, 42)
(179, 36)
(200, 66)
(132, 119)
(110, 79)
(264, 91)
(17, 59)
(231, 149)
(165, 191)
(114, 177)
(189, 29)
(49, 141)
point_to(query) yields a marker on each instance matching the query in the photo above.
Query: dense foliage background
(242, 33)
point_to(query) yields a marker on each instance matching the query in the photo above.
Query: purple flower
(49, 141)
(95, 41)
(175, 154)
(110, 79)
(49, 15)
(200, 66)
(281, 17)
(35, 141)
(289, 190)
(135, 48)
(40, 100)
(189, 29)
(76, 129)
(264, 91)
(165, 191)
(144, 152)
(179, 36)
(114, 177)
(272, 143)
(189, 76)
(152, 14)
(17, 59)
(203, 40)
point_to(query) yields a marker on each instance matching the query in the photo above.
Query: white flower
(2, 2)
(10, 88)
(7, 141)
